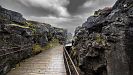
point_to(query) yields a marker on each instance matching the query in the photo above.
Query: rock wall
(103, 44)
(18, 35)
(45, 32)
(11, 15)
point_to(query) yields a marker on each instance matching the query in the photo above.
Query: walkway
(49, 62)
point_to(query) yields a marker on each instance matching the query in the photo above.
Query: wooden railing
(69, 64)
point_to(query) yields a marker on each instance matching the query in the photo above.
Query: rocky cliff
(11, 16)
(103, 44)
(20, 38)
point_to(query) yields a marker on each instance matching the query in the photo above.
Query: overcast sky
(60, 13)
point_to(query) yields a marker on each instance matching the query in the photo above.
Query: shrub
(51, 44)
(36, 49)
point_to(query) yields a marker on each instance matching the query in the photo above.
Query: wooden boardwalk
(49, 62)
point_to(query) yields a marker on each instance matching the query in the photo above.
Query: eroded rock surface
(103, 44)
(18, 36)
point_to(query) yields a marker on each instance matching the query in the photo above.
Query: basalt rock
(46, 33)
(18, 37)
(11, 15)
(103, 44)
(60, 34)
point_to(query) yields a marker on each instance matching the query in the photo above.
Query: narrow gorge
(102, 45)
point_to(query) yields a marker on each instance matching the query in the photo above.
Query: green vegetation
(51, 44)
(31, 26)
(100, 39)
(73, 52)
(26, 27)
(97, 13)
(37, 47)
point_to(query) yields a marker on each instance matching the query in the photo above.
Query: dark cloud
(74, 5)
(37, 11)
(38, 7)
(92, 5)
(61, 13)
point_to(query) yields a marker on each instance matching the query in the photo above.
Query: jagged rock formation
(45, 32)
(103, 45)
(18, 36)
(58, 33)
(11, 15)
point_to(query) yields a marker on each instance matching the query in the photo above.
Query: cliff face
(11, 15)
(45, 32)
(103, 44)
(19, 37)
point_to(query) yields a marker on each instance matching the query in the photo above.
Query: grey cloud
(60, 13)
(74, 5)
(71, 24)
(38, 7)
(67, 23)
(92, 5)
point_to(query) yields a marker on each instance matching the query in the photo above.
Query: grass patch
(27, 26)
(51, 44)
(100, 39)
(37, 48)
(32, 27)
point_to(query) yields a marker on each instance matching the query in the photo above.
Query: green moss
(26, 27)
(73, 52)
(37, 48)
(51, 44)
(99, 39)
(31, 26)
(97, 13)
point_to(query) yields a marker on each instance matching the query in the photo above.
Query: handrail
(71, 61)
(67, 63)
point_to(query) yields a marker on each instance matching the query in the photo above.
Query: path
(49, 62)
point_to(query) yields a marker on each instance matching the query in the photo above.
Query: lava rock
(18, 36)
(103, 44)
(11, 15)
